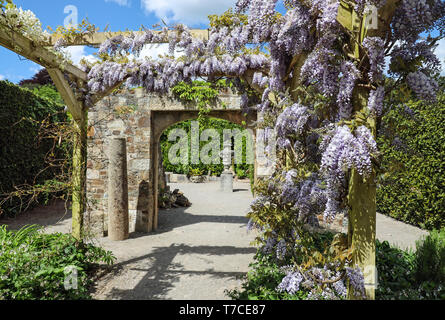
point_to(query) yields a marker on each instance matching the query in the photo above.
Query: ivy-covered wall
(411, 187)
(22, 154)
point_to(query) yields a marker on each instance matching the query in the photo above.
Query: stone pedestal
(118, 224)
(227, 181)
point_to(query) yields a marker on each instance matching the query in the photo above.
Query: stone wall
(130, 115)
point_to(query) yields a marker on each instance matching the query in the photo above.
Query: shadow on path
(161, 273)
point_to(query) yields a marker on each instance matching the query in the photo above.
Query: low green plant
(33, 265)
(402, 274)
(262, 281)
(412, 275)
(429, 259)
(241, 173)
(196, 172)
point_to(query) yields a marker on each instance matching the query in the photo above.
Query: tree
(41, 78)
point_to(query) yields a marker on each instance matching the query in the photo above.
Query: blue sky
(118, 15)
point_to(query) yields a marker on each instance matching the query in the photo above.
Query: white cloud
(154, 50)
(35, 68)
(123, 3)
(440, 52)
(2, 77)
(189, 12)
(77, 53)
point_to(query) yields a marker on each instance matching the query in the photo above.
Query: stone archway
(162, 120)
(140, 118)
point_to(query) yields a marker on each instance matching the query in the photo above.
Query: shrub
(262, 281)
(411, 187)
(429, 260)
(214, 169)
(33, 264)
(22, 155)
(407, 275)
(402, 274)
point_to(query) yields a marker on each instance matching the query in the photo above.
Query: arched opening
(162, 121)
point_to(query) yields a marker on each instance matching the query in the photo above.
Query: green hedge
(412, 186)
(242, 170)
(22, 155)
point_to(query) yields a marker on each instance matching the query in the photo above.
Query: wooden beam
(74, 106)
(96, 39)
(25, 47)
(99, 96)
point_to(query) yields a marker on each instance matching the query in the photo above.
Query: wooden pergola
(60, 70)
(362, 234)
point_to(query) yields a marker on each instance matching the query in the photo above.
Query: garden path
(197, 252)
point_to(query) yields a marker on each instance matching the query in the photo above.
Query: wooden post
(363, 212)
(79, 176)
(118, 228)
(362, 229)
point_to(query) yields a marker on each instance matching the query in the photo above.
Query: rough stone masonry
(139, 118)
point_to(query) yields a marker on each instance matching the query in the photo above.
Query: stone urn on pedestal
(227, 175)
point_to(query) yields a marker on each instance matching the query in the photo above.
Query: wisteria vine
(302, 75)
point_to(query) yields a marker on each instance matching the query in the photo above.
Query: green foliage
(22, 159)
(407, 275)
(429, 259)
(49, 92)
(402, 274)
(33, 264)
(411, 187)
(201, 93)
(262, 281)
(394, 268)
(214, 169)
(227, 19)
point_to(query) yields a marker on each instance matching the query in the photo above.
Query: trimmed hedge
(411, 187)
(22, 155)
(242, 170)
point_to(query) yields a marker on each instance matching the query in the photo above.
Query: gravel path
(197, 252)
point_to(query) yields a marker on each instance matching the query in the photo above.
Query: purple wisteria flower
(345, 151)
(349, 76)
(356, 280)
(291, 283)
(376, 53)
(375, 102)
(424, 87)
(291, 123)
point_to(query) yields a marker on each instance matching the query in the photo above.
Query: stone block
(227, 182)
